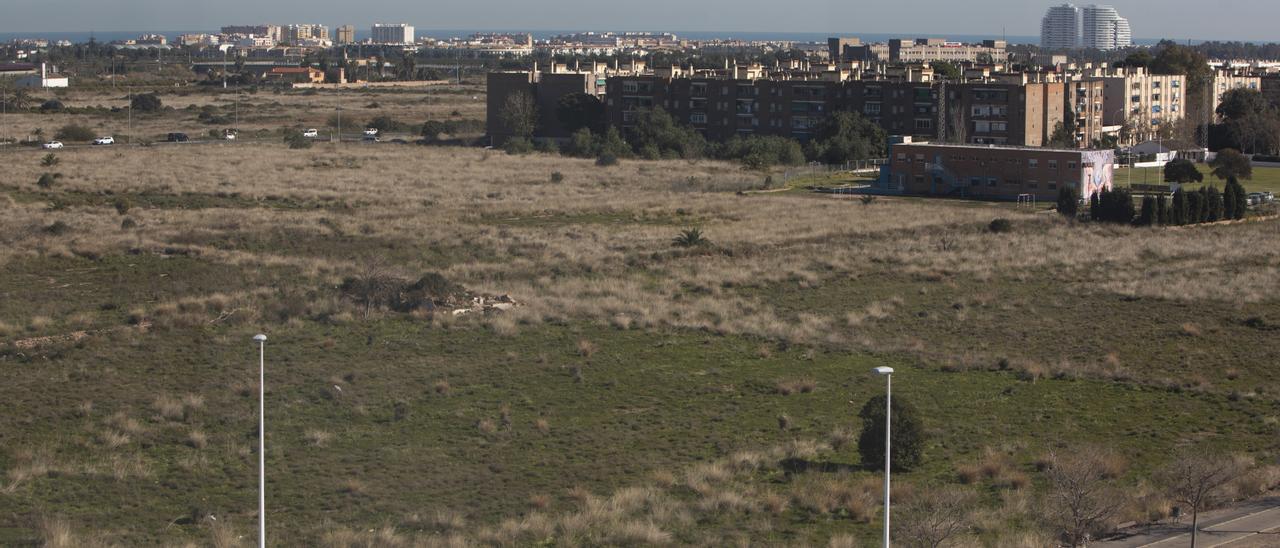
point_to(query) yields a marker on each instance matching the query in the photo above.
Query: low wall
(363, 85)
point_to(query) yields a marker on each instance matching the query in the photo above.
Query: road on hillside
(1254, 524)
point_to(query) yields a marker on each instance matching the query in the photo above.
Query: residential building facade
(346, 34)
(994, 172)
(1101, 27)
(393, 34)
(1141, 101)
(1060, 28)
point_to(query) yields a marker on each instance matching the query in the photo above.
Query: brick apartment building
(983, 113)
(994, 172)
(544, 88)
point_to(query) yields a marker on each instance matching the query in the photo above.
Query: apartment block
(1227, 80)
(398, 33)
(274, 32)
(994, 172)
(346, 35)
(1141, 100)
(545, 90)
(720, 108)
(1086, 101)
(928, 50)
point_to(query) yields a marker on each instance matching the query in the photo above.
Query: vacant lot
(640, 392)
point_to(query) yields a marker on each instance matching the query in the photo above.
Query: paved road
(1255, 524)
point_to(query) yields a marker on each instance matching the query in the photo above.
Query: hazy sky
(1217, 19)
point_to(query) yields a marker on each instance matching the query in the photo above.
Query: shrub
(52, 105)
(690, 237)
(557, 177)
(128, 223)
(908, 434)
(58, 228)
(147, 102)
(1182, 171)
(1148, 215)
(518, 145)
(1068, 201)
(1000, 225)
(50, 160)
(122, 205)
(607, 159)
(1114, 206)
(74, 132)
(1230, 163)
(295, 140)
(47, 180)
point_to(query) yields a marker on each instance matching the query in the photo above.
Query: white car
(51, 145)
(108, 140)
(229, 135)
(311, 134)
(371, 131)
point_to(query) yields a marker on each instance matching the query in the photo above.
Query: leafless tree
(935, 517)
(519, 114)
(1198, 478)
(1082, 497)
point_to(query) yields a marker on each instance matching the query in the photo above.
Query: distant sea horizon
(109, 36)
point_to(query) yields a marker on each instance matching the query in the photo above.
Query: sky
(1180, 19)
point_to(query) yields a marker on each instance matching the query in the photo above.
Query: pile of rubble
(484, 304)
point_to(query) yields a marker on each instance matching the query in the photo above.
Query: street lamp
(888, 389)
(262, 445)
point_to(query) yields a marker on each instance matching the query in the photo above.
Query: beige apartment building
(1227, 80)
(928, 50)
(1141, 100)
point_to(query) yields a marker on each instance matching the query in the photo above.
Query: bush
(47, 180)
(147, 102)
(1113, 206)
(518, 145)
(908, 434)
(122, 205)
(52, 105)
(295, 140)
(74, 132)
(557, 177)
(50, 160)
(1068, 201)
(1000, 225)
(582, 144)
(760, 152)
(607, 159)
(58, 228)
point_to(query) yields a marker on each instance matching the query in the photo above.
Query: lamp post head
(260, 337)
(882, 370)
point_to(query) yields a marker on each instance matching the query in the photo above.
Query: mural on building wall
(1097, 169)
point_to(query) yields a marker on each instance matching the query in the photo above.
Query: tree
(431, 130)
(1162, 210)
(1197, 478)
(74, 132)
(1178, 210)
(519, 114)
(20, 100)
(846, 136)
(658, 132)
(1082, 498)
(1238, 202)
(1095, 206)
(1249, 120)
(907, 431)
(582, 144)
(1064, 134)
(1230, 163)
(1147, 217)
(945, 70)
(1182, 170)
(581, 110)
(935, 516)
(146, 102)
(1115, 206)
(1214, 200)
(1138, 59)
(1195, 207)
(1068, 201)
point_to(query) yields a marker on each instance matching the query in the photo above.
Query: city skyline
(1151, 20)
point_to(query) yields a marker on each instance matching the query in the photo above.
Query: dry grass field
(251, 112)
(638, 393)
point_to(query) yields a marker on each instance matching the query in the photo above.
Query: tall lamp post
(262, 445)
(888, 389)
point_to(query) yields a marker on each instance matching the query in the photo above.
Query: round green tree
(908, 434)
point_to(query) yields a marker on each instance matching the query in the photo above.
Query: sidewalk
(1251, 524)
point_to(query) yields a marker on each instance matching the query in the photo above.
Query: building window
(1053, 185)
(871, 108)
(630, 86)
(1033, 184)
(992, 181)
(1053, 164)
(698, 118)
(975, 181)
(1071, 165)
(924, 123)
(1033, 162)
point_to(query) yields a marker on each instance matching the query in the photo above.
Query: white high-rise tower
(1103, 28)
(1060, 28)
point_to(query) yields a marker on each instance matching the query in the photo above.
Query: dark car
(178, 138)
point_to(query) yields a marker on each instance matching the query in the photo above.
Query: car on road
(370, 132)
(108, 140)
(229, 134)
(52, 145)
(177, 138)
(1255, 198)
(311, 134)
(371, 138)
